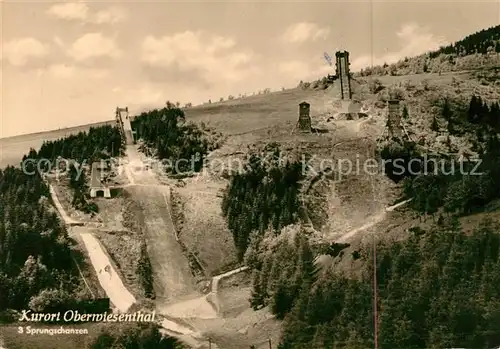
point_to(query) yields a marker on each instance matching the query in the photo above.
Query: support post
(375, 301)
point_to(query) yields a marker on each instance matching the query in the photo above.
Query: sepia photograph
(250, 174)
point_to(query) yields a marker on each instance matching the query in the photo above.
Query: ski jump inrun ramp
(123, 120)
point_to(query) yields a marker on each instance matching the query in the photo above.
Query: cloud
(57, 40)
(294, 70)
(219, 43)
(200, 56)
(415, 40)
(64, 71)
(93, 45)
(110, 15)
(178, 75)
(304, 31)
(69, 11)
(79, 11)
(147, 95)
(19, 51)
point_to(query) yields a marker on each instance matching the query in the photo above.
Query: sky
(72, 63)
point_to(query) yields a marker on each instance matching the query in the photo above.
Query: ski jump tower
(123, 121)
(343, 74)
(394, 123)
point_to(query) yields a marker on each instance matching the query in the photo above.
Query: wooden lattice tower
(394, 118)
(343, 74)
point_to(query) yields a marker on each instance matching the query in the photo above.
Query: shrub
(375, 86)
(145, 273)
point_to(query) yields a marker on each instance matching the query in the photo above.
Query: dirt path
(216, 279)
(67, 219)
(374, 220)
(205, 307)
(198, 307)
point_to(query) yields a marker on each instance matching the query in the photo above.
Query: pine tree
(446, 112)
(282, 300)
(450, 128)
(448, 142)
(259, 294)
(474, 109)
(434, 124)
(405, 114)
(265, 275)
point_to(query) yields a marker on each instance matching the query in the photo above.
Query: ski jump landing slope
(129, 137)
(110, 281)
(171, 272)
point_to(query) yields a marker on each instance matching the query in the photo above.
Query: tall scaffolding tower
(343, 73)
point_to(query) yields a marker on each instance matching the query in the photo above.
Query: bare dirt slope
(198, 205)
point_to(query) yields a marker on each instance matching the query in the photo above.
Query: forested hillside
(281, 273)
(36, 264)
(36, 267)
(168, 136)
(265, 195)
(475, 51)
(450, 183)
(484, 41)
(436, 289)
(98, 143)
